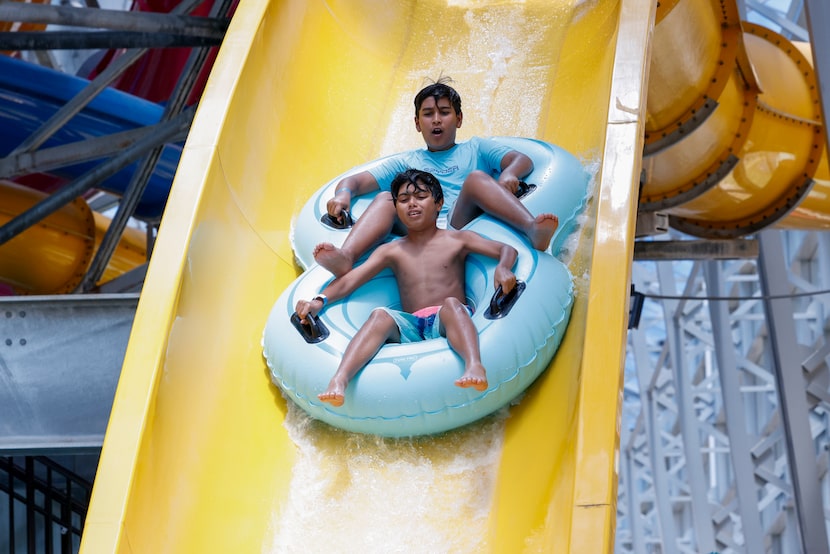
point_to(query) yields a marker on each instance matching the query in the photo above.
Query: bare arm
(347, 283)
(514, 166)
(348, 188)
(504, 253)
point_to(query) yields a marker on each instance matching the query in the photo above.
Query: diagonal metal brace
(164, 133)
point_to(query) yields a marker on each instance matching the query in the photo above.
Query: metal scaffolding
(62, 354)
(721, 449)
(724, 436)
(137, 32)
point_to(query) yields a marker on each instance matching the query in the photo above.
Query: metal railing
(42, 506)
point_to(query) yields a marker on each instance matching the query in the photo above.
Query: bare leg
(378, 329)
(375, 223)
(483, 193)
(463, 338)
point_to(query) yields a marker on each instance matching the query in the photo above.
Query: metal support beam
(789, 26)
(142, 175)
(95, 148)
(77, 187)
(695, 340)
(98, 40)
(739, 443)
(112, 71)
(60, 359)
(792, 396)
(69, 40)
(658, 250)
(651, 422)
(117, 20)
(684, 397)
(634, 516)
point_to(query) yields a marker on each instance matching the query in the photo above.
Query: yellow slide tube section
(199, 453)
(734, 139)
(52, 256)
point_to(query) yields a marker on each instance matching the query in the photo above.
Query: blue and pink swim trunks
(423, 324)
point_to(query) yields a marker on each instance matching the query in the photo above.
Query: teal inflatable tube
(408, 389)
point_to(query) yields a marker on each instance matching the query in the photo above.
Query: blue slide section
(31, 94)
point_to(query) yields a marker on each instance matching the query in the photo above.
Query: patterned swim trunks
(424, 324)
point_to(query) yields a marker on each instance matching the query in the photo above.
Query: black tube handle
(501, 304)
(345, 221)
(313, 331)
(524, 189)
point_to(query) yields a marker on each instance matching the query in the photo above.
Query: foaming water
(360, 493)
(497, 68)
(568, 249)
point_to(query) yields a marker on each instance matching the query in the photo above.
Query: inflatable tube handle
(314, 331)
(344, 222)
(524, 189)
(501, 304)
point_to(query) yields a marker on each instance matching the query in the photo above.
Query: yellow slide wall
(198, 455)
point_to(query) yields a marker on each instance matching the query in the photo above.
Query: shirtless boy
(465, 171)
(428, 264)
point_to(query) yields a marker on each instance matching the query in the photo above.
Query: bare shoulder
(470, 237)
(388, 248)
(453, 234)
(472, 242)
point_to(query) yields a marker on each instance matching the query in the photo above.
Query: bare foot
(475, 377)
(332, 258)
(542, 230)
(334, 395)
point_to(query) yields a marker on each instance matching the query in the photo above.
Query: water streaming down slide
(202, 454)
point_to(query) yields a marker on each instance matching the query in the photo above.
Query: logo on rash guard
(444, 171)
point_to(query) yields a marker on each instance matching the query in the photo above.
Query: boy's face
(416, 207)
(438, 122)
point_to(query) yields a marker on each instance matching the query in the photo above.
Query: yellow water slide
(202, 453)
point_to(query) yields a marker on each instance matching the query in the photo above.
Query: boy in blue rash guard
(429, 267)
(465, 171)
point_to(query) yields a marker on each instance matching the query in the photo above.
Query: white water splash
(569, 247)
(359, 493)
(492, 71)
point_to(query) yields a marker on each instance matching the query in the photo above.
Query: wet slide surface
(202, 453)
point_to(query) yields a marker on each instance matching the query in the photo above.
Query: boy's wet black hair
(438, 90)
(421, 180)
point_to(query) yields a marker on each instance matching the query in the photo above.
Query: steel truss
(725, 436)
(137, 32)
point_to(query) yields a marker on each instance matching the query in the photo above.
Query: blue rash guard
(451, 166)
